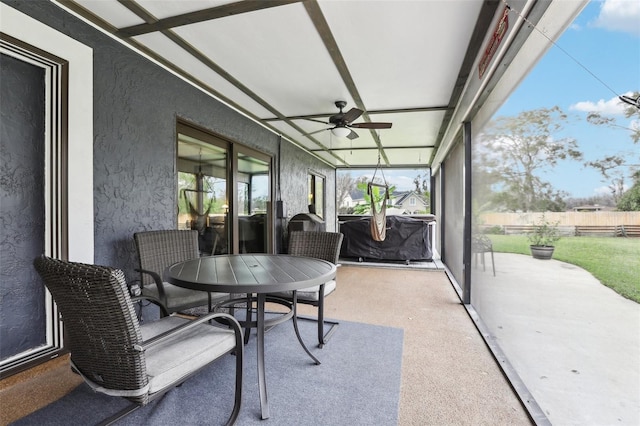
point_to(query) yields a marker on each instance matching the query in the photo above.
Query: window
(316, 193)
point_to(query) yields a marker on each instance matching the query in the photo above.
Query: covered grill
(407, 239)
(306, 222)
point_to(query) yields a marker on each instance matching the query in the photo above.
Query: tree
(345, 183)
(633, 111)
(513, 153)
(612, 167)
(630, 200)
(422, 185)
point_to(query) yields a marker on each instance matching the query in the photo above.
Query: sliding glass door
(224, 192)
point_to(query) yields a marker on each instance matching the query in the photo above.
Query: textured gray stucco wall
(295, 168)
(136, 105)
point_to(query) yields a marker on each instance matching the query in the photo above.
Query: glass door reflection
(202, 190)
(253, 191)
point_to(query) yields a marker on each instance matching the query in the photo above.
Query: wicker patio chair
(157, 250)
(118, 356)
(320, 245)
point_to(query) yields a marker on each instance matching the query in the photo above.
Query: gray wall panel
(454, 212)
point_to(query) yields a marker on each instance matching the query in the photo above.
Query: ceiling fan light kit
(341, 132)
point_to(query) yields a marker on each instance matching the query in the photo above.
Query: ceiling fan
(342, 123)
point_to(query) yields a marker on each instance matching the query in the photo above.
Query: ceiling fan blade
(313, 133)
(372, 125)
(353, 135)
(351, 115)
(317, 121)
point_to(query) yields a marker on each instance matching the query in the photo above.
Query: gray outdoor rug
(358, 383)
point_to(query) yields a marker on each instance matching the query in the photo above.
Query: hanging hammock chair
(378, 217)
(199, 220)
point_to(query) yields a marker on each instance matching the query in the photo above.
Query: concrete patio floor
(574, 342)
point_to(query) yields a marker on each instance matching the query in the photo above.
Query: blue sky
(604, 39)
(594, 61)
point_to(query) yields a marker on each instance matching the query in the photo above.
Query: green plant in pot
(542, 238)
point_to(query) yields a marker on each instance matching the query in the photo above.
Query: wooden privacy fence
(611, 224)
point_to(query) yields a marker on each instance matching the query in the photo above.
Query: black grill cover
(406, 239)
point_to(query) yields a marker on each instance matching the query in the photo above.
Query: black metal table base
(261, 324)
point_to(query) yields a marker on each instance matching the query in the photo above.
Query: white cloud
(605, 190)
(575, 27)
(602, 190)
(619, 15)
(613, 106)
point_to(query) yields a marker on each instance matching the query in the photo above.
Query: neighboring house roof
(401, 197)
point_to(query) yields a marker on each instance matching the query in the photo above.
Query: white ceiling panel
(390, 48)
(414, 157)
(167, 49)
(410, 128)
(360, 158)
(330, 159)
(112, 11)
(164, 8)
(287, 130)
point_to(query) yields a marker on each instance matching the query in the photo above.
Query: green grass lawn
(613, 261)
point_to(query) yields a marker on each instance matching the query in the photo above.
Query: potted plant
(542, 238)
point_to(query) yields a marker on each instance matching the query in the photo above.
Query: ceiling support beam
(374, 112)
(363, 148)
(319, 21)
(230, 9)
